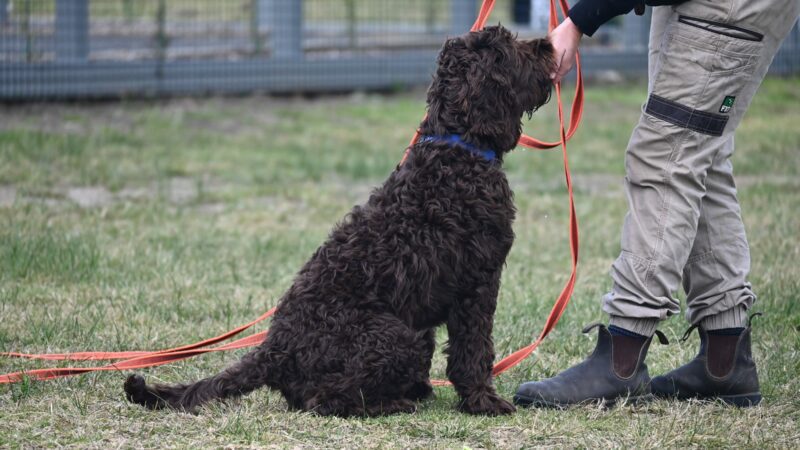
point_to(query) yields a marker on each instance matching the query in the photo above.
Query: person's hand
(565, 39)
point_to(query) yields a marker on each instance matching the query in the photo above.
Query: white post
(540, 15)
(287, 29)
(462, 13)
(3, 11)
(72, 29)
(636, 30)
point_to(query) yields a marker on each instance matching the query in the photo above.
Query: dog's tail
(243, 377)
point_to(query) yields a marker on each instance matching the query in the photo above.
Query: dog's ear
(538, 61)
(541, 50)
(493, 108)
(448, 90)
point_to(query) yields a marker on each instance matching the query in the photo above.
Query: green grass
(148, 225)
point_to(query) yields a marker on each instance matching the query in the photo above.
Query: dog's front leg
(470, 351)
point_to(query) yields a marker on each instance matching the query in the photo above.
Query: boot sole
(739, 401)
(527, 402)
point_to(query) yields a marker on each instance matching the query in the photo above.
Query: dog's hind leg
(383, 362)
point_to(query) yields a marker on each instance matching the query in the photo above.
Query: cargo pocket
(702, 68)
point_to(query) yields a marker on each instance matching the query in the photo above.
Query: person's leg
(639, 149)
(718, 296)
(624, 373)
(711, 62)
(711, 58)
(715, 276)
(658, 23)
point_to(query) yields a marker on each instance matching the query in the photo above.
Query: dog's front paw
(485, 402)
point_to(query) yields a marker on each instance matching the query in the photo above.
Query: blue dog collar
(454, 139)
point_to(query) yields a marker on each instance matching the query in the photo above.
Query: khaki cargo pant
(707, 59)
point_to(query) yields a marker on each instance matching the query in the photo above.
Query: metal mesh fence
(36, 31)
(82, 48)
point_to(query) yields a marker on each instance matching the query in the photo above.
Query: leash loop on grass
(134, 359)
(142, 359)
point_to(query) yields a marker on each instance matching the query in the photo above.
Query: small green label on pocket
(727, 104)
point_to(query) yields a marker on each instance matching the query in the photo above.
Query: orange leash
(142, 359)
(95, 356)
(135, 359)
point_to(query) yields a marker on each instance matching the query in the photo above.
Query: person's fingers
(564, 66)
(559, 64)
(563, 71)
(565, 39)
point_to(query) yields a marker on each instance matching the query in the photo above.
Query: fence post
(792, 52)
(72, 29)
(462, 13)
(264, 9)
(287, 28)
(3, 10)
(636, 30)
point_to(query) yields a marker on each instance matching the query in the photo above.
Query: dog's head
(485, 81)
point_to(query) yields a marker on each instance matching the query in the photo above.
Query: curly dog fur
(354, 335)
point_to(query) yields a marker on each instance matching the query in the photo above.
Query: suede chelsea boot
(723, 369)
(614, 371)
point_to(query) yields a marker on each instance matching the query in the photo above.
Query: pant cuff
(645, 327)
(735, 317)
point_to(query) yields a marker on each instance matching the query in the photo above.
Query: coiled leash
(141, 359)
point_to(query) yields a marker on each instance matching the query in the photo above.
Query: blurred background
(115, 48)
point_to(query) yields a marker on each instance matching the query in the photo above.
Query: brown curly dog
(354, 335)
